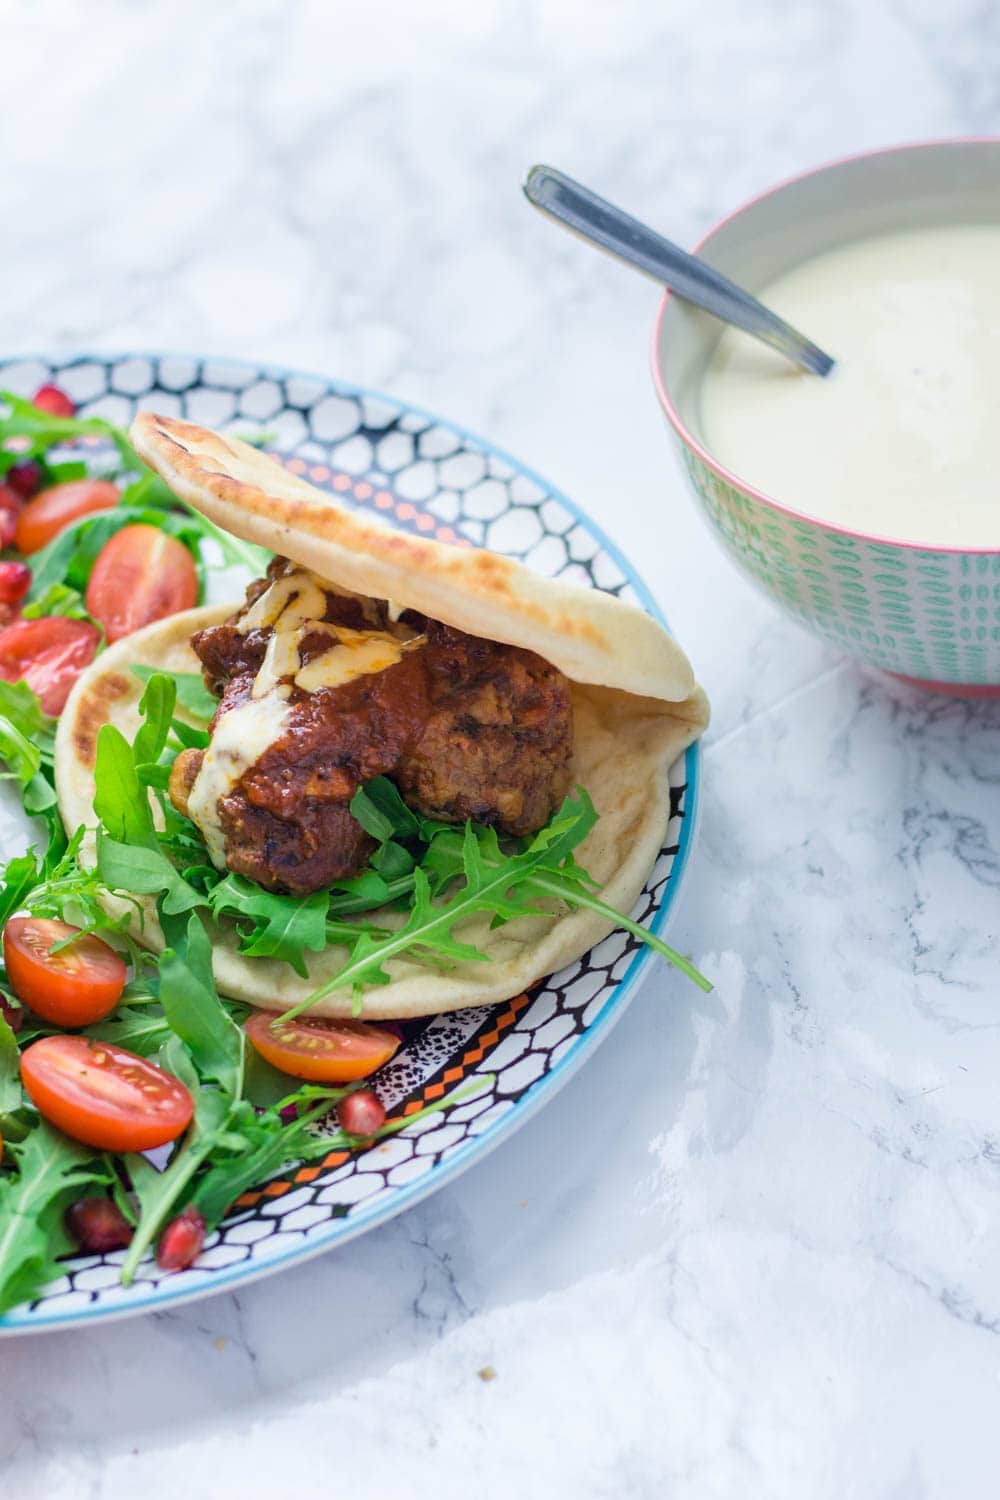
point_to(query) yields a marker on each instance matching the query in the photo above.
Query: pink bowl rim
(688, 438)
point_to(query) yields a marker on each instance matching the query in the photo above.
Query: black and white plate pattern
(430, 477)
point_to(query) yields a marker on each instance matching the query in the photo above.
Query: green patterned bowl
(930, 615)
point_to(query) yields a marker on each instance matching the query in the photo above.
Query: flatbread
(636, 707)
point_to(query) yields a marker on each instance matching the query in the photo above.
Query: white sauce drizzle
(240, 739)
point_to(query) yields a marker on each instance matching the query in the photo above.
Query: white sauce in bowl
(902, 440)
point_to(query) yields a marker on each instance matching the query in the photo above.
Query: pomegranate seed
(56, 402)
(181, 1241)
(98, 1225)
(25, 478)
(361, 1113)
(15, 581)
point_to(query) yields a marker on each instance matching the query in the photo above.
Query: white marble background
(752, 1249)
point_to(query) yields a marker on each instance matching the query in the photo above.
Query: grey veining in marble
(751, 1250)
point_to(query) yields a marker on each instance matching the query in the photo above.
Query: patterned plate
(429, 477)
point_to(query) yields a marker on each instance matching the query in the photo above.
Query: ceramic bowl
(930, 615)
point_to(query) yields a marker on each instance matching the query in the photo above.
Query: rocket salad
(90, 551)
(75, 1111)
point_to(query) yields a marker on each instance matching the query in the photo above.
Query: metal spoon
(638, 245)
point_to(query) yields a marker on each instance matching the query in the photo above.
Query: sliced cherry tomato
(52, 509)
(104, 1096)
(49, 654)
(141, 575)
(56, 402)
(74, 986)
(322, 1051)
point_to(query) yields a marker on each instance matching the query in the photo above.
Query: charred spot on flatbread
(91, 711)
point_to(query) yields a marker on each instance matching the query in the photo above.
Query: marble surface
(751, 1248)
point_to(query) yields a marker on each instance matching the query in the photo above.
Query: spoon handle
(612, 229)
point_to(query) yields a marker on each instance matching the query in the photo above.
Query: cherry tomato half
(53, 400)
(322, 1051)
(104, 1096)
(49, 654)
(74, 986)
(141, 575)
(52, 509)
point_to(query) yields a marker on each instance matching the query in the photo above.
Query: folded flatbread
(636, 707)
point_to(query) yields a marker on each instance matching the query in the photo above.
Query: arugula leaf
(193, 1010)
(24, 760)
(506, 885)
(282, 925)
(152, 775)
(392, 861)
(263, 1085)
(364, 892)
(120, 802)
(20, 877)
(160, 1194)
(52, 1172)
(149, 490)
(382, 812)
(157, 707)
(63, 887)
(24, 419)
(266, 1144)
(192, 694)
(138, 1030)
(27, 743)
(144, 870)
(63, 472)
(11, 1096)
(270, 1142)
(188, 737)
(23, 709)
(57, 599)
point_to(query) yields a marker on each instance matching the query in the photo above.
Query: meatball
(287, 822)
(497, 745)
(306, 852)
(467, 728)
